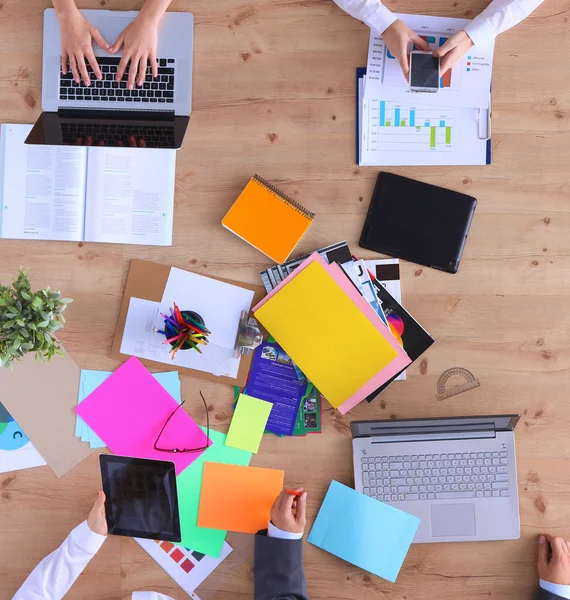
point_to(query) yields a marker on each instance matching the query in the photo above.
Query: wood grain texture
(274, 93)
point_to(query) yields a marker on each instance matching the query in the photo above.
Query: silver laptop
(458, 475)
(106, 113)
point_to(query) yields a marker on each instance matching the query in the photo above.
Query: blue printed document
(363, 531)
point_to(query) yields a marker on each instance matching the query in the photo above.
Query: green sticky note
(189, 484)
(248, 423)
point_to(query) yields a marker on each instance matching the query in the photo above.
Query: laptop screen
(108, 128)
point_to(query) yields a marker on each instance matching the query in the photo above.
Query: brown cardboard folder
(42, 396)
(147, 280)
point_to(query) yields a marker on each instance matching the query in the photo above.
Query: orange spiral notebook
(268, 220)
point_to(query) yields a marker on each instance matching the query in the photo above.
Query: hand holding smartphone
(424, 72)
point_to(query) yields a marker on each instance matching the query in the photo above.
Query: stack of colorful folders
(331, 333)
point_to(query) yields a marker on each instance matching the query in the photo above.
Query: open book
(113, 195)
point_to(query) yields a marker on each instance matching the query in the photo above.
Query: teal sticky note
(189, 483)
(91, 380)
(363, 531)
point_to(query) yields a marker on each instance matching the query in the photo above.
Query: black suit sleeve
(544, 595)
(278, 570)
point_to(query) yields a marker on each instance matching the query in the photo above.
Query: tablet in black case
(418, 222)
(141, 497)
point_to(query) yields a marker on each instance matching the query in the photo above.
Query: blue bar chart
(394, 126)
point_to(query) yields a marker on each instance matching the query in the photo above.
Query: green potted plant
(29, 320)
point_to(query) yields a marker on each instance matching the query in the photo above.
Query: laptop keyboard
(124, 135)
(436, 476)
(155, 90)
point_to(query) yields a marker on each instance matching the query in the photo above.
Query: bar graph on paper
(396, 127)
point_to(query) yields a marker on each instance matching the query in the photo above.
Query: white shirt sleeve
(150, 596)
(275, 532)
(499, 16)
(554, 588)
(372, 12)
(53, 577)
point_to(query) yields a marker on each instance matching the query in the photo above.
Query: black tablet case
(418, 222)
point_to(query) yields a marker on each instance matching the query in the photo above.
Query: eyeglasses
(156, 444)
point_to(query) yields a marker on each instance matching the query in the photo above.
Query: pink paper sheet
(128, 410)
(401, 361)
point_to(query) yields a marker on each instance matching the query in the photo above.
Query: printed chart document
(394, 133)
(466, 85)
(113, 195)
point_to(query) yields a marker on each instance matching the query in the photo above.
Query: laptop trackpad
(452, 520)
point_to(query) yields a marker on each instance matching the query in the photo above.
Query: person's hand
(453, 49)
(76, 35)
(96, 520)
(140, 40)
(288, 511)
(397, 37)
(554, 559)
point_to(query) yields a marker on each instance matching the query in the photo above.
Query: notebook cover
(147, 280)
(267, 220)
(300, 322)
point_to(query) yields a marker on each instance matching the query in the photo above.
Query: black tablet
(419, 222)
(142, 500)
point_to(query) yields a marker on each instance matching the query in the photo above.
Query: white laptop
(106, 113)
(458, 475)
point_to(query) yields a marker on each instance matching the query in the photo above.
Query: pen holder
(170, 332)
(184, 330)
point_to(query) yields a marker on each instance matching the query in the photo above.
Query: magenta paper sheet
(128, 410)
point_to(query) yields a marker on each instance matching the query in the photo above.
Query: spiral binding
(287, 199)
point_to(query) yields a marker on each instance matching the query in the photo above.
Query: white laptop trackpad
(452, 520)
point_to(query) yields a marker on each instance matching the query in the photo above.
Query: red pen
(294, 493)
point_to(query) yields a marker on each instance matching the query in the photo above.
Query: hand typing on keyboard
(139, 41)
(76, 34)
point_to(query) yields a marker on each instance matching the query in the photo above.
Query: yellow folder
(326, 334)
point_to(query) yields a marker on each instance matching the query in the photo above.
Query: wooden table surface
(274, 93)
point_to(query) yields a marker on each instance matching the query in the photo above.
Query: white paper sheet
(218, 303)
(130, 196)
(140, 339)
(405, 134)
(468, 85)
(43, 189)
(189, 569)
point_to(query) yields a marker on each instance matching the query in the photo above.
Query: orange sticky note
(238, 498)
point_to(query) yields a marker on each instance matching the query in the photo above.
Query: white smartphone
(424, 72)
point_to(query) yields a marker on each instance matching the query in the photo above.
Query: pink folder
(128, 411)
(401, 361)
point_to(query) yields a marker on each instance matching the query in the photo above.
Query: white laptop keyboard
(436, 476)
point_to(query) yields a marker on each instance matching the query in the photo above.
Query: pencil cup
(170, 332)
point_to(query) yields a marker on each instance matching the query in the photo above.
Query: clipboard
(147, 280)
